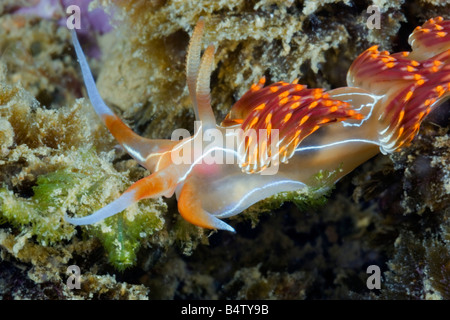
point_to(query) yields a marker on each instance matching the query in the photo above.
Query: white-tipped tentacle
(97, 102)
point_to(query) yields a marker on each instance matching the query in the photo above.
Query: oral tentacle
(190, 208)
(113, 208)
(138, 147)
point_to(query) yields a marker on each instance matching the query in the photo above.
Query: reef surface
(57, 158)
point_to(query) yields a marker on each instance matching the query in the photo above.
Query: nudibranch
(276, 138)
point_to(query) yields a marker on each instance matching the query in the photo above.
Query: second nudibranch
(282, 134)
